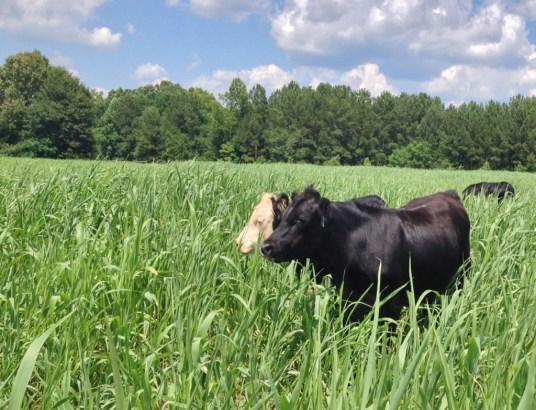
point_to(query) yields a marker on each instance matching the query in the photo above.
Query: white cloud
(272, 77)
(464, 83)
(269, 76)
(235, 10)
(367, 76)
(131, 29)
(61, 20)
(526, 8)
(325, 26)
(446, 30)
(103, 37)
(150, 74)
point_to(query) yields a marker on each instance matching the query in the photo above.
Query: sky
(459, 50)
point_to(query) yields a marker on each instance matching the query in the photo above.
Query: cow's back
(500, 189)
(473, 189)
(437, 231)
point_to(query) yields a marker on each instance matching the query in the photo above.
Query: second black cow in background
(499, 189)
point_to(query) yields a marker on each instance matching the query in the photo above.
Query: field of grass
(120, 286)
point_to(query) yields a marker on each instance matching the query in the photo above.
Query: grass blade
(527, 400)
(118, 385)
(26, 368)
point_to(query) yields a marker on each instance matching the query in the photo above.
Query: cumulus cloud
(454, 84)
(451, 30)
(481, 50)
(272, 77)
(150, 74)
(367, 76)
(61, 20)
(459, 49)
(235, 10)
(269, 76)
(464, 83)
(526, 8)
(104, 37)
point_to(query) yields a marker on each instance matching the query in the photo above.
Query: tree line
(47, 112)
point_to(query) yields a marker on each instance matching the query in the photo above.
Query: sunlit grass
(164, 312)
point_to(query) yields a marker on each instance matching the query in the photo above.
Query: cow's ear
(323, 211)
(311, 192)
(293, 195)
(282, 202)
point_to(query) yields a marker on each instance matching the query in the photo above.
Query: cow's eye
(298, 221)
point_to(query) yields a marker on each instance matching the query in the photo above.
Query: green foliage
(149, 135)
(21, 78)
(44, 110)
(175, 145)
(326, 124)
(114, 132)
(236, 98)
(23, 75)
(31, 147)
(335, 160)
(13, 117)
(228, 152)
(417, 154)
(62, 112)
(165, 313)
(485, 166)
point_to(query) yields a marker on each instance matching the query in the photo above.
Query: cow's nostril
(266, 249)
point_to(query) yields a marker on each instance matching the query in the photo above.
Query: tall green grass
(120, 287)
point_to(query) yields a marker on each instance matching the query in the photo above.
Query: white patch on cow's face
(259, 226)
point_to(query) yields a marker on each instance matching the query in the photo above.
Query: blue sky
(456, 49)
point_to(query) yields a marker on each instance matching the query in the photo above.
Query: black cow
(500, 189)
(351, 240)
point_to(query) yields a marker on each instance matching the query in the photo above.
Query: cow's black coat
(351, 240)
(499, 189)
(280, 204)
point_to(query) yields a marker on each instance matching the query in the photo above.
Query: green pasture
(121, 287)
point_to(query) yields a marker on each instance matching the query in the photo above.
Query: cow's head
(300, 230)
(265, 217)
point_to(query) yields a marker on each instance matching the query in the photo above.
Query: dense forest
(47, 112)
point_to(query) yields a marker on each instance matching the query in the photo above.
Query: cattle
(267, 215)
(357, 243)
(500, 189)
(264, 219)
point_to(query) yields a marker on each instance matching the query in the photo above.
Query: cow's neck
(331, 257)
